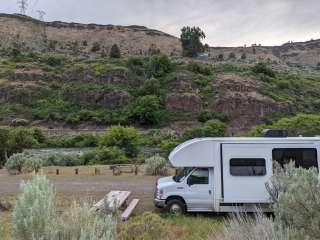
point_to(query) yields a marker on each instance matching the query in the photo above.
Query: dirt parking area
(85, 186)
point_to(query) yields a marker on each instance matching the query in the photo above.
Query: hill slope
(79, 39)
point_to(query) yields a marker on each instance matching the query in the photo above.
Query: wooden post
(57, 171)
(136, 169)
(76, 171)
(96, 171)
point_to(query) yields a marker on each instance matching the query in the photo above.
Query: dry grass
(69, 189)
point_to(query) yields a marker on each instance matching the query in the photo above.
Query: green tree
(147, 110)
(4, 146)
(21, 139)
(191, 41)
(125, 138)
(115, 51)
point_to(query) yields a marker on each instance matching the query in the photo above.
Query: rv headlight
(160, 193)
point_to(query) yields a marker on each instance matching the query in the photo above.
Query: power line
(41, 14)
(23, 5)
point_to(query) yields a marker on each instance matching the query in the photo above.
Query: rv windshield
(182, 173)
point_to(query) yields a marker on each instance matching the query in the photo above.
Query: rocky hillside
(85, 40)
(296, 54)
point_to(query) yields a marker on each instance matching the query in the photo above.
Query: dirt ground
(86, 185)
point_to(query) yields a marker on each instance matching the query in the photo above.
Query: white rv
(229, 174)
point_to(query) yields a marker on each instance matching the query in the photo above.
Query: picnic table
(116, 200)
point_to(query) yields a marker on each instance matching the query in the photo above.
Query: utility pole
(41, 15)
(23, 4)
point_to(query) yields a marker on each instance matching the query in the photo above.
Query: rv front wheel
(176, 206)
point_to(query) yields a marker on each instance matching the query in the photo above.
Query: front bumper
(159, 203)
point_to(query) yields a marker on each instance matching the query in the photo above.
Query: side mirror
(189, 181)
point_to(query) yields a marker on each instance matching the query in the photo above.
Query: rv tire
(176, 206)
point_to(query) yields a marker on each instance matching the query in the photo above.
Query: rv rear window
(248, 167)
(302, 157)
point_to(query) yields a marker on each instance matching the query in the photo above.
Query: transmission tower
(23, 4)
(41, 15)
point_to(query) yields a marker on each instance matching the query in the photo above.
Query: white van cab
(229, 174)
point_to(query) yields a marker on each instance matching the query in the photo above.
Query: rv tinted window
(302, 157)
(248, 167)
(199, 176)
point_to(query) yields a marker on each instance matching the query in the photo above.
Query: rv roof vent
(274, 133)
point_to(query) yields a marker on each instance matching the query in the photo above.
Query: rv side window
(248, 167)
(302, 157)
(199, 176)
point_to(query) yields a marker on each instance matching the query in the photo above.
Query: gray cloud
(226, 22)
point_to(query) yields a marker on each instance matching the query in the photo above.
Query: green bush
(115, 51)
(156, 166)
(212, 128)
(125, 138)
(151, 86)
(69, 141)
(263, 68)
(137, 65)
(159, 65)
(200, 68)
(208, 115)
(95, 47)
(5, 145)
(307, 125)
(147, 110)
(147, 226)
(64, 159)
(54, 60)
(34, 213)
(168, 146)
(106, 156)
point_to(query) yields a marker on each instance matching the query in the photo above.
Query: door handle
(210, 192)
(180, 187)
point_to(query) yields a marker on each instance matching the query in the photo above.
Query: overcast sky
(225, 22)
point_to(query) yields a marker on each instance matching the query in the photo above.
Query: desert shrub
(220, 57)
(243, 56)
(159, 65)
(263, 68)
(199, 68)
(107, 155)
(95, 47)
(156, 166)
(146, 226)
(33, 163)
(125, 138)
(297, 200)
(64, 159)
(115, 51)
(232, 55)
(212, 128)
(34, 212)
(16, 162)
(81, 221)
(151, 86)
(147, 110)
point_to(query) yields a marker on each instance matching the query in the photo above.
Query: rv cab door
(199, 190)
